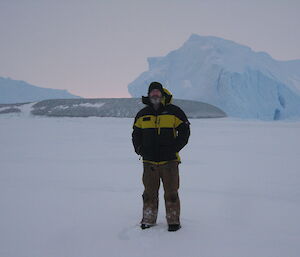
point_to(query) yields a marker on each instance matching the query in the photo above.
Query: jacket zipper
(157, 126)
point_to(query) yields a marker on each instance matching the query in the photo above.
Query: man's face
(155, 96)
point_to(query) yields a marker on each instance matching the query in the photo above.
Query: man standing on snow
(160, 131)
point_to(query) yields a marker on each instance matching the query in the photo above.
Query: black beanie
(156, 85)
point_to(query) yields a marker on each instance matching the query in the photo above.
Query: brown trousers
(169, 174)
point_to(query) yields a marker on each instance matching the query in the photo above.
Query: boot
(174, 227)
(145, 226)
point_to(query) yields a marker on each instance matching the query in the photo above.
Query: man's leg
(151, 181)
(170, 178)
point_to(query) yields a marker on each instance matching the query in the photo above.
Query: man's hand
(139, 150)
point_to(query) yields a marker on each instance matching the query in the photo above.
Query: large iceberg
(18, 91)
(238, 80)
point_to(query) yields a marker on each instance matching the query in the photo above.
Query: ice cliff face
(241, 82)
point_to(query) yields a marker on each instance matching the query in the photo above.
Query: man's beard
(155, 100)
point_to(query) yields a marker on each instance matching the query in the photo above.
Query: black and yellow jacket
(158, 135)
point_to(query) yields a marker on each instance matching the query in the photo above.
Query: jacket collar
(146, 100)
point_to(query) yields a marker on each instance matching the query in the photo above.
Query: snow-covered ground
(71, 187)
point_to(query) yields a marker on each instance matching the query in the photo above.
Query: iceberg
(233, 77)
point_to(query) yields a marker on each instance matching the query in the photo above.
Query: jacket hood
(166, 99)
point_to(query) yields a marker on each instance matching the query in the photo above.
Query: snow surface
(71, 187)
(4, 108)
(241, 82)
(93, 105)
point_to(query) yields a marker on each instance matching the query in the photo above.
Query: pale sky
(95, 48)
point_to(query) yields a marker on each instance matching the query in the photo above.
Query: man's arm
(137, 135)
(182, 125)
